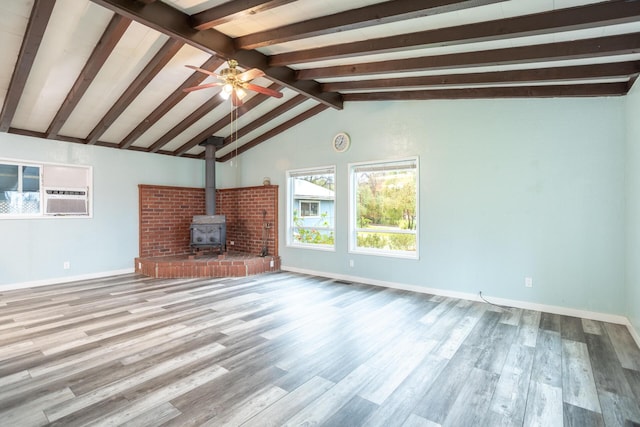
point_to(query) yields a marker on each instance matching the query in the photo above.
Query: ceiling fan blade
(235, 99)
(202, 70)
(204, 86)
(251, 74)
(264, 90)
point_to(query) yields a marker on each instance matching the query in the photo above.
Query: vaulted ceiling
(112, 72)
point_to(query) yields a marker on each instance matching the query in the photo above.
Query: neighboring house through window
(311, 208)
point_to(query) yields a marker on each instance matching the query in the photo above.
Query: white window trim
(290, 241)
(353, 248)
(316, 202)
(20, 164)
(41, 166)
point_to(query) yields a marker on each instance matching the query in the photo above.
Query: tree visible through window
(311, 208)
(384, 208)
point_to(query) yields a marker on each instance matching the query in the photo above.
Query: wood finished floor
(289, 349)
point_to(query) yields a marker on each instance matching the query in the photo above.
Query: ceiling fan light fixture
(235, 83)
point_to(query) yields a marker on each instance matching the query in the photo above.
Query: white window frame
(353, 221)
(20, 165)
(315, 202)
(42, 166)
(291, 241)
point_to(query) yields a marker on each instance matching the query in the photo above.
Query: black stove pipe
(210, 145)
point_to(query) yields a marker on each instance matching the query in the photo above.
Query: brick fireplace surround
(166, 214)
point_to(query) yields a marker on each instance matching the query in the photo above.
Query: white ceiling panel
(14, 17)
(74, 29)
(194, 6)
(479, 46)
(492, 68)
(260, 110)
(202, 124)
(176, 115)
(297, 11)
(136, 48)
(290, 114)
(162, 85)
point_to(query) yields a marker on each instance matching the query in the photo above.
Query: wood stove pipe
(210, 144)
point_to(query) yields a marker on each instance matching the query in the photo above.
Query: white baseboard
(566, 311)
(633, 332)
(66, 279)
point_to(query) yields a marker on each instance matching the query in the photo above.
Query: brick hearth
(229, 265)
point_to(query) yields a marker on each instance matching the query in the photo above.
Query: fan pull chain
(233, 134)
(235, 130)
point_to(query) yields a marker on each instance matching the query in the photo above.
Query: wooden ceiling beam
(63, 138)
(38, 20)
(232, 10)
(187, 122)
(157, 63)
(577, 72)
(224, 121)
(575, 18)
(43, 135)
(171, 101)
(264, 119)
(273, 132)
(114, 32)
(551, 91)
(381, 13)
(165, 19)
(631, 82)
(576, 49)
(176, 24)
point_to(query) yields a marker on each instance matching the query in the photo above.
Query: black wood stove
(210, 230)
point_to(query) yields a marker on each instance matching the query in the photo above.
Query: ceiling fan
(234, 82)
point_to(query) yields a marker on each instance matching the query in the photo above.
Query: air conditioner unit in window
(66, 201)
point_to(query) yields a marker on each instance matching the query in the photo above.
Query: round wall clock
(341, 142)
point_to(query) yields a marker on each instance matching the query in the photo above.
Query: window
(384, 208)
(19, 189)
(43, 190)
(311, 208)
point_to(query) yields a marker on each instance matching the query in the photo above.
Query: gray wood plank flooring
(287, 349)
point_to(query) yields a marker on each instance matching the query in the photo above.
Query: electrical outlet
(231, 242)
(271, 263)
(528, 282)
(66, 265)
(351, 263)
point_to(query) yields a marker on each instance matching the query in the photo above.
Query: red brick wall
(244, 208)
(166, 213)
(165, 217)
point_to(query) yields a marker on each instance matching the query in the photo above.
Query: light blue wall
(34, 250)
(633, 206)
(508, 189)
